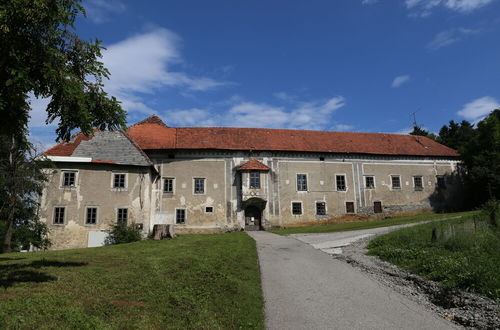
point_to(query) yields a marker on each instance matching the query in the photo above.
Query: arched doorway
(253, 218)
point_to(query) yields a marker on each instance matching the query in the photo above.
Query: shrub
(492, 210)
(120, 234)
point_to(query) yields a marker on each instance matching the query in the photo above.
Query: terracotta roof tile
(254, 165)
(67, 148)
(152, 133)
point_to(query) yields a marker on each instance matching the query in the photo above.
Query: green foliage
(465, 254)
(22, 177)
(42, 54)
(492, 211)
(192, 282)
(419, 131)
(120, 234)
(359, 225)
(480, 150)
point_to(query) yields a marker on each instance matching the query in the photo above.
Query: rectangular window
(122, 217)
(296, 208)
(320, 208)
(418, 183)
(369, 182)
(349, 207)
(119, 180)
(180, 216)
(301, 182)
(168, 185)
(340, 179)
(91, 216)
(209, 209)
(396, 181)
(59, 215)
(441, 184)
(199, 186)
(69, 179)
(255, 180)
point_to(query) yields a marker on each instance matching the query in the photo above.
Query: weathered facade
(220, 179)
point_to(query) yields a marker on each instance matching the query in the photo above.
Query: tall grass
(460, 253)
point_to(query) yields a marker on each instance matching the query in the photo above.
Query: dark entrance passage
(377, 207)
(253, 218)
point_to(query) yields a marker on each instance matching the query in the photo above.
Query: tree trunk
(7, 238)
(163, 231)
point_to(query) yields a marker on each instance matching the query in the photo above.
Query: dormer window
(255, 180)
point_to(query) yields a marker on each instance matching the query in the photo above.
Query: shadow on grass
(11, 274)
(10, 259)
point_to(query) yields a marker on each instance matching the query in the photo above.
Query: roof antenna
(414, 115)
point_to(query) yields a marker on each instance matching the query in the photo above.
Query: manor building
(215, 179)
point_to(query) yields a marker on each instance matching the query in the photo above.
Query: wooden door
(377, 207)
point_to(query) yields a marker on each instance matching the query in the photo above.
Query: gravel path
(305, 288)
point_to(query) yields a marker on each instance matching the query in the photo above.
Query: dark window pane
(440, 182)
(320, 208)
(119, 181)
(91, 218)
(199, 186)
(209, 209)
(341, 186)
(369, 182)
(168, 185)
(255, 180)
(69, 179)
(180, 216)
(396, 182)
(297, 208)
(122, 216)
(418, 183)
(59, 215)
(301, 182)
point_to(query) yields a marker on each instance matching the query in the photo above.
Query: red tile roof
(254, 165)
(152, 134)
(67, 148)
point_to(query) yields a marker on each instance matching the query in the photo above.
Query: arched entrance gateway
(253, 213)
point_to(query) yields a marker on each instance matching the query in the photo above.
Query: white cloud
(404, 131)
(400, 80)
(449, 37)
(305, 115)
(99, 11)
(479, 108)
(424, 8)
(38, 113)
(343, 127)
(369, 2)
(142, 64)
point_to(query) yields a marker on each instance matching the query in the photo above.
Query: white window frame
(173, 185)
(204, 186)
(316, 207)
(85, 218)
(301, 207)
(61, 183)
(345, 182)
(421, 188)
(400, 183)
(297, 182)
(113, 181)
(54, 215)
(185, 216)
(369, 176)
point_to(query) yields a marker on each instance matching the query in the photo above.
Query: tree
(481, 157)
(22, 177)
(457, 135)
(419, 131)
(42, 55)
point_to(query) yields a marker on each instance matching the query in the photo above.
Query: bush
(492, 210)
(123, 234)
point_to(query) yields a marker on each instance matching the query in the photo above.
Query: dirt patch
(466, 309)
(355, 218)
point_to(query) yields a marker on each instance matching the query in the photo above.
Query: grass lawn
(346, 226)
(190, 282)
(464, 254)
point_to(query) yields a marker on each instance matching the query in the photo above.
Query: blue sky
(344, 65)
